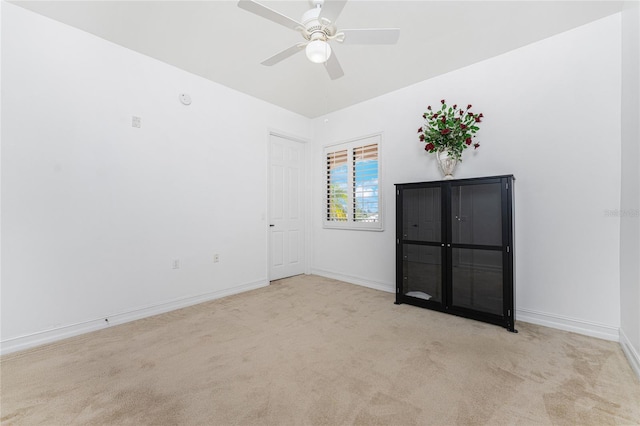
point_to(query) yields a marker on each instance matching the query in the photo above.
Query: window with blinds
(352, 182)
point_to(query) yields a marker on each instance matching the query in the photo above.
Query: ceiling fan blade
(283, 55)
(331, 9)
(371, 36)
(333, 67)
(270, 14)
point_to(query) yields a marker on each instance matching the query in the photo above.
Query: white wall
(553, 120)
(630, 197)
(94, 210)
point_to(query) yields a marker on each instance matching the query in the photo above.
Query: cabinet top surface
(459, 180)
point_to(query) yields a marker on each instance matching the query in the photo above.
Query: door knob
(271, 226)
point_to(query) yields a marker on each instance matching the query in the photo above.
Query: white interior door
(286, 208)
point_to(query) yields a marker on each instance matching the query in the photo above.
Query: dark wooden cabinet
(454, 247)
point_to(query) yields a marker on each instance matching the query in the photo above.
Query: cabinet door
(476, 254)
(422, 214)
(422, 272)
(476, 213)
(477, 280)
(421, 243)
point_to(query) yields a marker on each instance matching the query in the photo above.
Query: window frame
(349, 146)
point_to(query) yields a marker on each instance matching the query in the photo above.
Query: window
(353, 177)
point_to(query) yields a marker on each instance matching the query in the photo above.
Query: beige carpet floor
(309, 350)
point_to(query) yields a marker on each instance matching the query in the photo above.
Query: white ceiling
(223, 43)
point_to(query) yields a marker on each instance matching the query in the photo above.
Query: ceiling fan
(318, 28)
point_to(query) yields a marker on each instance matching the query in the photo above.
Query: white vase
(447, 163)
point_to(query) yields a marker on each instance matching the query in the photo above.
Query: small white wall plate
(185, 99)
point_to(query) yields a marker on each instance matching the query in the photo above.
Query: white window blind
(352, 184)
(337, 186)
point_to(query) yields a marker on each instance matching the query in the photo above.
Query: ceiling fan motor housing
(316, 28)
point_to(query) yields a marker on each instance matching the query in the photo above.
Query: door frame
(307, 194)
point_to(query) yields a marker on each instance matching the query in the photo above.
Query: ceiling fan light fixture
(318, 51)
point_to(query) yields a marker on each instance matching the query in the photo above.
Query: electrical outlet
(136, 122)
(175, 264)
(216, 258)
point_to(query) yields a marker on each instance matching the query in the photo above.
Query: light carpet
(310, 350)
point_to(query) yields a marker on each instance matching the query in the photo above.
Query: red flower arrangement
(449, 129)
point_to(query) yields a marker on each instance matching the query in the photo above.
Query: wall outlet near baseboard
(216, 258)
(175, 264)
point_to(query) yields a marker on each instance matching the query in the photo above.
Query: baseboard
(587, 328)
(365, 282)
(63, 332)
(630, 352)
